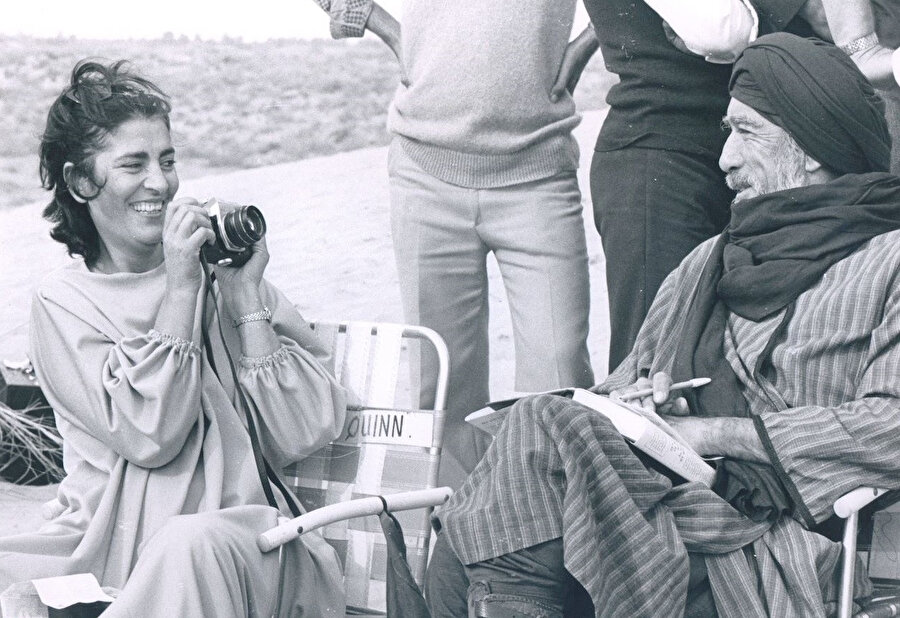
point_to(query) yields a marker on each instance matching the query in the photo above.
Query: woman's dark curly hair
(98, 99)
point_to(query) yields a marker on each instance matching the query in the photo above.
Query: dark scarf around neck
(776, 247)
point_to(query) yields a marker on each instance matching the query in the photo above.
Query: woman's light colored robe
(150, 432)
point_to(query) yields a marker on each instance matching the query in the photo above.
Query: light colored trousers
(442, 234)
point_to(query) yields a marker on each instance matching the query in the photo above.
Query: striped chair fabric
(381, 450)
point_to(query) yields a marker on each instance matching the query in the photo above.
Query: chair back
(383, 449)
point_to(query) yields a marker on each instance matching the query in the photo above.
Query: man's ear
(816, 172)
(73, 179)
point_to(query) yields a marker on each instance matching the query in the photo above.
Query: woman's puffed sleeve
(300, 405)
(139, 396)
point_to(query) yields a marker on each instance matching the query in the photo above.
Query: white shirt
(895, 63)
(718, 30)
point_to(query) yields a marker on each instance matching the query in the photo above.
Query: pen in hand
(644, 392)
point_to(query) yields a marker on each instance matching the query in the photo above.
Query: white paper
(60, 592)
(650, 436)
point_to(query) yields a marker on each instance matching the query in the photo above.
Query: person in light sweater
(483, 161)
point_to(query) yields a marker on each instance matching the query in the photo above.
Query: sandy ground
(329, 237)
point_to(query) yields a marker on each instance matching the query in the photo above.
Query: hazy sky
(253, 20)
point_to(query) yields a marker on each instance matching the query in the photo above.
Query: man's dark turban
(814, 91)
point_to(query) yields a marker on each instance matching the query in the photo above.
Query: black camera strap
(263, 468)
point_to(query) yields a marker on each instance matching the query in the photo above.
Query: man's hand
(676, 41)
(661, 401)
(876, 65)
(813, 13)
(844, 22)
(387, 29)
(578, 52)
(725, 436)
(697, 431)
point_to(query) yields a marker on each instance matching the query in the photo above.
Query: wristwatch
(861, 44)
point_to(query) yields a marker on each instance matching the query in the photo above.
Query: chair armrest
(291, 529)
(852, 501)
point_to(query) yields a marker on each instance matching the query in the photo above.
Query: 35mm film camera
(237, 228)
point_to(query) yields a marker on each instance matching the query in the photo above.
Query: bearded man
(794, 312)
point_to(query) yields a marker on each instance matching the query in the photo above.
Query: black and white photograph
(470, 309)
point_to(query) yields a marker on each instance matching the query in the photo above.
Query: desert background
(293, 125)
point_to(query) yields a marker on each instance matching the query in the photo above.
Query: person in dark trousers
(655, 185)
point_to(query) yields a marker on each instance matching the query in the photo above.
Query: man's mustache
(737, 181)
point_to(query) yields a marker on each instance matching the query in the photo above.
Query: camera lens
(244, 226)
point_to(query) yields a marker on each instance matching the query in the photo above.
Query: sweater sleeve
(348, 17)
(140, 396)
(824, 452)
(299, 404)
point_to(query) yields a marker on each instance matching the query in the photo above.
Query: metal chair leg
(848, 560)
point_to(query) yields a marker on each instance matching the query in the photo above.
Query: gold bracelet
(256, 316)
(863, 43)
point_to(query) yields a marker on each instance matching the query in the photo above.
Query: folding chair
(381, 451)
(848, 507)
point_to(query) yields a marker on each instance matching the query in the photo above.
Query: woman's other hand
(240, 287)
(240, 284)
(185, 230)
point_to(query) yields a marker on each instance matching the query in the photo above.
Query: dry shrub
(30, 446)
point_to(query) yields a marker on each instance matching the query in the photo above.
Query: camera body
(237, 228)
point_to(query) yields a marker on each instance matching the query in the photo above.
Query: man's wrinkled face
(759, 157)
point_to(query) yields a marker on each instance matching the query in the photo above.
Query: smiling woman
(101, 120)
(160, 499)
(133, 180)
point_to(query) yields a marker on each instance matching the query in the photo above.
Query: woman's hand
(186, 228)
(660, 400)
(240, 284)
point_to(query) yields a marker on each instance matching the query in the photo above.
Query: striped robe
(829, 403)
